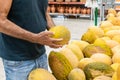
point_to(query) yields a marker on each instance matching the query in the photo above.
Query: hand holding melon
(61, 32)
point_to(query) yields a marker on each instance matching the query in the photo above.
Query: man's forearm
(50, 21)
(11, 29)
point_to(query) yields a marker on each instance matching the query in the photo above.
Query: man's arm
(50, 22)
(11, 29)
(8, 27)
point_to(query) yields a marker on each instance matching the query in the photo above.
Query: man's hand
(45, 39)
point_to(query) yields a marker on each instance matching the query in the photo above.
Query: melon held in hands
(61, 32)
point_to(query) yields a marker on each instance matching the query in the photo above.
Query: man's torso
(30, 15)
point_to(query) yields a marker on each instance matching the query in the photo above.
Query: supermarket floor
(76, 26)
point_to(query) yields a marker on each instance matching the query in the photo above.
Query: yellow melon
(112, 33)
(110, 15)
(61, 32)
(116, 49)
(114, 76)
(113, 20)
(118, 20)
(80, 43)
(92, 49)
(101, 43)
(76, 50)
(111, 43)
(76, 74)
(102, 78)
(105, 24)
(83, 62)
(112, 28)
(40, 74)
(106, 38)
(72, 58)
(96, 69)
(116, 38)
(59, 65)
(118, 14)
(113, 11)
(118, 73)
(92, 34)
(116, 58)
(98, 57)
(115, 66)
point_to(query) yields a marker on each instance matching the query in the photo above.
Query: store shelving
(70, 4)
(104, 6)
(117, 5)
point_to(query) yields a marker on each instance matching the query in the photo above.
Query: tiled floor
(76, 26)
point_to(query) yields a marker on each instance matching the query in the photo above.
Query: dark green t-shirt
(29, 15)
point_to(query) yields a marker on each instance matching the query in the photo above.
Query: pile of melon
(96, 56)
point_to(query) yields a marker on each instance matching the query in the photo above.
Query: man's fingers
(56, 40)
(55, 46)
(48, 33)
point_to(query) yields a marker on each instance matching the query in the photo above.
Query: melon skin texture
(118, 73)
(111, 43)
(83, 62)
(106, 38)
(102, 78)
(72, 58)
(92, 49)
(118, 14)
(76, 74)
(61, 32)
(98, 57)
(96, 69)
(112, 28)
(40, 74)
(115, 66)
(109, 15)
(113, 11)
(105, 25)
(112, 33)
(114, 77)
(116, 38)
(116, 58)
(80, 43)
(118, 21)
(116, 50)
(59, 65)
(92, 34)
(76, 50)
(102, 43)
(113, 20)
